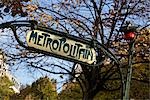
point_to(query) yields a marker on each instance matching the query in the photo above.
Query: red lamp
(129, 35)
(129, 31)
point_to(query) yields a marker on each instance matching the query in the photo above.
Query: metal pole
(129, 72)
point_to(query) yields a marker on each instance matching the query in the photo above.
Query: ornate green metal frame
(34, 25)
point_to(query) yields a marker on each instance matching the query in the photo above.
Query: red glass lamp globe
(129, 35)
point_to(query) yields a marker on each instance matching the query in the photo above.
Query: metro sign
(61, 46)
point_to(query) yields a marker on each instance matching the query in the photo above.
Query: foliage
(98, 20)
(13, 6)
(71, 91)
(44, 89)
(139, 91)
(41, 89)
(5, 90)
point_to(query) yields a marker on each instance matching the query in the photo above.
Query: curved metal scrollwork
(34, 26)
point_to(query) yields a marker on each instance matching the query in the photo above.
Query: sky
(24, 75)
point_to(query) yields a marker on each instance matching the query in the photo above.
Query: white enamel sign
(61, 46)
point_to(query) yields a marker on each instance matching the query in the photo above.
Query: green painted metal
(126, 95)
(34, 25)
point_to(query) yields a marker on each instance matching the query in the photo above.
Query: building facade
(5, 72)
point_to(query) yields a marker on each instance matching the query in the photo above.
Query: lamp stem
(129, 71)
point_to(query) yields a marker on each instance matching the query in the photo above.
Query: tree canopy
(41, 89)
(94, 20)
(5, 90)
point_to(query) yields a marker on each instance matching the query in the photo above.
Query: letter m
(33, 37)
